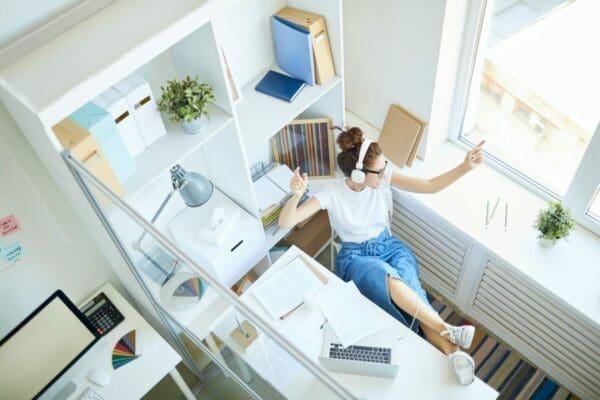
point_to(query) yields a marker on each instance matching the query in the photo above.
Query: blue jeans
(369, 264)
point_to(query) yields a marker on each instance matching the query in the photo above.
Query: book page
(267, 193)
(347, 312)
(284, 290)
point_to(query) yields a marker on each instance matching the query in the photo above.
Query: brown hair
(349, 141)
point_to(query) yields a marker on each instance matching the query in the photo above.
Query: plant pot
(195, 126)
(547, 242)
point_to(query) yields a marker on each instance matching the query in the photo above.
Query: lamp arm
(136, 244)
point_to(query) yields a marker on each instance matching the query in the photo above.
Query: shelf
(176, 145)
(261, 116)
(274, 234)
(117, 40)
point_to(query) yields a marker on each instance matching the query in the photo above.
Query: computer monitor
(38, 357)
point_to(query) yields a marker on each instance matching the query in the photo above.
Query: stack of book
(302, 50)
(271, 185)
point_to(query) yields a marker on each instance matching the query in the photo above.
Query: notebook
(284, 290)
(281, 86)
(401, 135)
(293, 49)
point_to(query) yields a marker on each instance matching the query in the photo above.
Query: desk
(135, 379)
(425, 372)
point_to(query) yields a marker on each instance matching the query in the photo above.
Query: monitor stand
(66, 391)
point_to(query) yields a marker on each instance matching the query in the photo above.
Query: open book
(284, 290)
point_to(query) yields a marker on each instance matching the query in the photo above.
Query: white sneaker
(463, 366)
(461, 336)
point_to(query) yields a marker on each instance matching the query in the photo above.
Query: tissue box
(143, 106)
(102, 126)
(114, 102)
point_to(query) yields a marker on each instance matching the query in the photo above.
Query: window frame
(584, 185)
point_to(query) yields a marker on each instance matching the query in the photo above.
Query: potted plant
(553, 223)
(186, 101)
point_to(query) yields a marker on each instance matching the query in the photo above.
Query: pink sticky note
(8, 225)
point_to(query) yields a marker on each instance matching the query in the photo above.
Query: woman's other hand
(298, 183)
(474, 157)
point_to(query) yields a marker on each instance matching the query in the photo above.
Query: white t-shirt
(356, 216)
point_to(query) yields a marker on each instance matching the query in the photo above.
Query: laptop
(373, 355)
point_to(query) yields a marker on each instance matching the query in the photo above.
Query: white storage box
(116, 104)
(239, 253)
(143, 106)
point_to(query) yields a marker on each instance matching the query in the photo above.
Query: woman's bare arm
(291, 214)
(433, 185)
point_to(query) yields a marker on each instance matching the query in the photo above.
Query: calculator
(102, 314)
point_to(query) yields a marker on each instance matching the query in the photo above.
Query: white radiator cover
(551, 334)
(440, 253)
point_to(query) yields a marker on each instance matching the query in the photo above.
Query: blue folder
(293, 49)
(281, 86)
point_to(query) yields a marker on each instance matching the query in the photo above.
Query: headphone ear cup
(357, 176)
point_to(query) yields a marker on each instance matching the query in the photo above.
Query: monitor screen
(38, 351)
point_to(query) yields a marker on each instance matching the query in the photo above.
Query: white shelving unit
(260, 115)
(161, 41)
(175, 146)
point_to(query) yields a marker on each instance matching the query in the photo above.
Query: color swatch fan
(124, 350)
(182, 291)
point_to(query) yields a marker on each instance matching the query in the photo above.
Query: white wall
(59, 253)
(404, 52)
(391, 55)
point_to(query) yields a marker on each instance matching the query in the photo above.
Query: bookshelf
(171, 40)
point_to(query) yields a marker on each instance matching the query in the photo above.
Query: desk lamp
(195, 190)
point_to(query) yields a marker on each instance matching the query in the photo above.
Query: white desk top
(424, 371)
(136, 378)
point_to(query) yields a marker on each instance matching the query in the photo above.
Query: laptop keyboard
(382, 355)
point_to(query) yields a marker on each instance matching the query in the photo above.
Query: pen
(487, 213)
(494, 210)
(241, 326)
(323, 324)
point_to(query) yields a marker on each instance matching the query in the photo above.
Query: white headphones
(358, 175)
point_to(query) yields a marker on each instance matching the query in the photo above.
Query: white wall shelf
(261, 116)
(175, 146)
(100, 51)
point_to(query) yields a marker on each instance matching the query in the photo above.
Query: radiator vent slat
(440, 254)
(447, 247)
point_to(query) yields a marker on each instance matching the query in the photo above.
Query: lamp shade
(195, 189)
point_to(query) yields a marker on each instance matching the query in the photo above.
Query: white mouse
(99, 377)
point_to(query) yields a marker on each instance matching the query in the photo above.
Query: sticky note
(8, 225)
(13, 252)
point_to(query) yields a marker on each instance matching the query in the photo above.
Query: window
(532, 94)
(594, 210)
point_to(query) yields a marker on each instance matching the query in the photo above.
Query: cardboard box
(312, 236)
(86, 150)
(100, 123)
(143, 107)
(116, 104)
(315, 23)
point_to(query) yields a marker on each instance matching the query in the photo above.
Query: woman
(381, 266)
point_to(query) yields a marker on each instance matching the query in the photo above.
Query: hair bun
(349, 139)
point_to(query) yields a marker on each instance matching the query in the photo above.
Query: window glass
(537, 105)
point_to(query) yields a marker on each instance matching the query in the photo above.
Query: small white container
(141, 102)
(116, 104)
